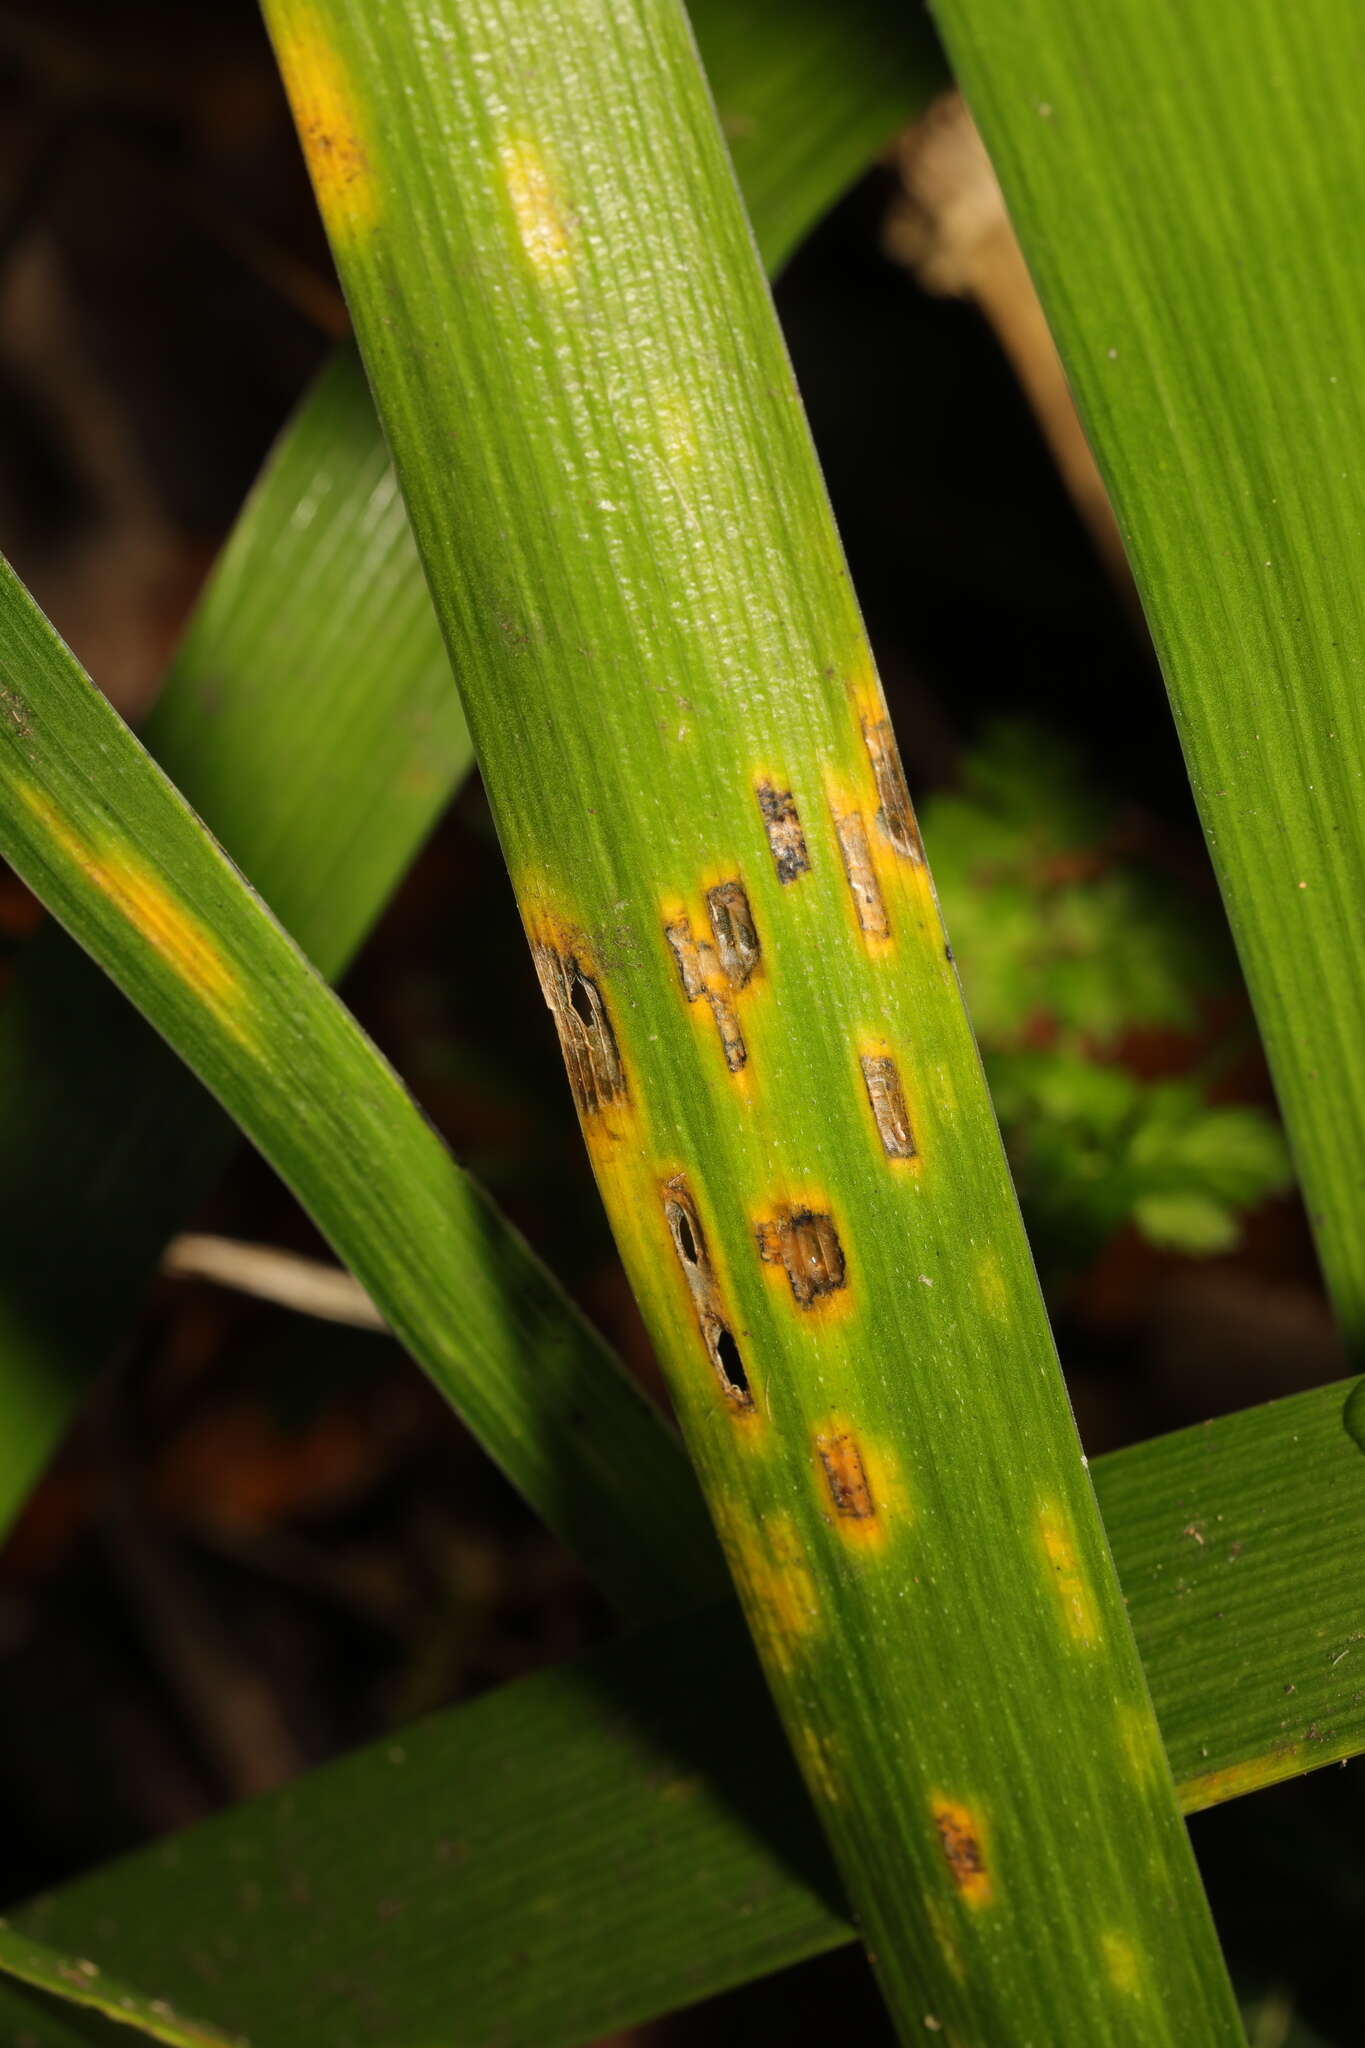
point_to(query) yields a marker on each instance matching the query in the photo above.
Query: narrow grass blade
(1187, 185)
(687, 753)
(111, 847)
(807, 93)
(598, 1845)
(79, 1981)
(309, 714)
(309, 717)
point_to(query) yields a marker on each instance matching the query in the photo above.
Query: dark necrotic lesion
(895, 815)
(887, 1099)
(785, 837)
(716, 969)
(733, 929)
(865, 889)
(806, 1243)
(689, 1242)
(586, 1036)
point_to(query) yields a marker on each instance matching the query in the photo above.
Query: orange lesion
(181, 939)
(1068, 1575)
(961, 1837)
(858, 1485)
(331, 129)
(803, 1254)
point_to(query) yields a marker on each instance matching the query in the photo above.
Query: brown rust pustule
(895, 816)
(689, 1242)
(864, 887)
(845, 1474)
(732, 927)
(586, 1036)
(887, 1098)
(960, 1835)
(785, 837)
(807, 1244)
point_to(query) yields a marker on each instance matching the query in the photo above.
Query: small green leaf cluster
(1074, 944)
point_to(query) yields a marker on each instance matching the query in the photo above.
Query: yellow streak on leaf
(1212, 1788)
(817, 1755)
(1073, 1588)
(331, 129)
(181, 939)
(768, 1562)
(1140, 1743)
(541, 223)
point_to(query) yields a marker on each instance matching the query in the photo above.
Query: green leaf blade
(595, 1846)
(1186, 184)
(309, 717)
(115, 852)
(626, 536)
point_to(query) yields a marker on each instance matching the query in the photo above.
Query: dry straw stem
(614, 493)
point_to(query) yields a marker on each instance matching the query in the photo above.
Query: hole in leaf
(581, 1000)
(731, 1365)
(682, 1233)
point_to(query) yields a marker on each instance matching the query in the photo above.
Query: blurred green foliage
(1086, 960)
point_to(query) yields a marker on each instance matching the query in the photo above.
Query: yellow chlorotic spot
(768, 1562)
(990, 1284)
(328, 119)
(542, 226)
(960, 1837)
(1120, 1962)
(1213, 1788)
(182, 941)
(1073, 1588)
(858, 1484)
(676, 428)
